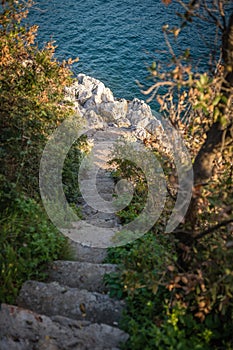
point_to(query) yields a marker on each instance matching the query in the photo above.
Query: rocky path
(72, 309)
(98, 189)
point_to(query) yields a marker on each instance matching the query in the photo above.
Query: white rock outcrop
(98, 107)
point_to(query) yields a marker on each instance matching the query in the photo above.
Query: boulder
(139, 113)
(107, 95)
(82, 94)
(93, 120)
(113, 111)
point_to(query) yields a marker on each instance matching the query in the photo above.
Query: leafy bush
(178, 291)
(28, 241)
(32, 103)
(70, 171)
(162, 304)
(32, 106)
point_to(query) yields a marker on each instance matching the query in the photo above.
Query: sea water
(116, 40)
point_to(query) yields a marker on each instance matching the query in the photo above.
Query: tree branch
(158, 84)
(214, 18)
(212, 229)
(189, 239)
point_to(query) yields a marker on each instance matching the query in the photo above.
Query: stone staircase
(72, 309)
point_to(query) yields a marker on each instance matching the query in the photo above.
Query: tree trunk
(216, 139)
(218, 135)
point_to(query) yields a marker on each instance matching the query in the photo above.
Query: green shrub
(178, 295)
(32, 102)
(32, 106)
(154, 318)
(28, 241)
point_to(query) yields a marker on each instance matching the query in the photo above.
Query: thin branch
(221, 10)
(160, 83)
(188, 238)
(212, 229)
(183, 5)
(169, 45)
(153, 95)
(190, 6)
(170, 193)
(214, 18)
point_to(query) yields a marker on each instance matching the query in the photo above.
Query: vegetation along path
(72, 309)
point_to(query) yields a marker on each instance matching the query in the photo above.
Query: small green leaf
(216, 100)
(153, 65)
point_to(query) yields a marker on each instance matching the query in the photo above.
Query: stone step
(111, 134)
(82, 275)
(91, 213)
(21, 329)
(102, 186)
(102, 223)
(52, 299)
(91, 235)
(82, 252)
(92, 196)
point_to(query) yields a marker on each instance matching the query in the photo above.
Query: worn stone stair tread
(102, 223)
(112, 133)
(88, 191)
(99, 215)
(54, 299)
(82, 275)
(22, 329)
(92, 235)
(82, 252)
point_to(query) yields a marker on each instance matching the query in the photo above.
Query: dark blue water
(114, 39)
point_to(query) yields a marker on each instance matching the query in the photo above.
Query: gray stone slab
(53, 299)
(82, 275)
(81, 252)
(21, 329)
(92, 235)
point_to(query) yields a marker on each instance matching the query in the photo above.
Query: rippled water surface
(114, 39)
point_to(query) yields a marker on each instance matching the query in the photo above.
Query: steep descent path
(72, 310)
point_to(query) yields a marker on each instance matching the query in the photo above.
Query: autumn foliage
(180, 285)
(32, 105)
(32, 85)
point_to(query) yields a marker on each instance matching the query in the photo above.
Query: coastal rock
(93, 120)
(107, 95)
(113, 111)
(89, 91)
(82, 94)
(98, 107)
(139, 113)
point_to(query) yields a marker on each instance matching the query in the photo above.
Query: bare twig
(222, 13)
(160, 83)
(214, 18)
